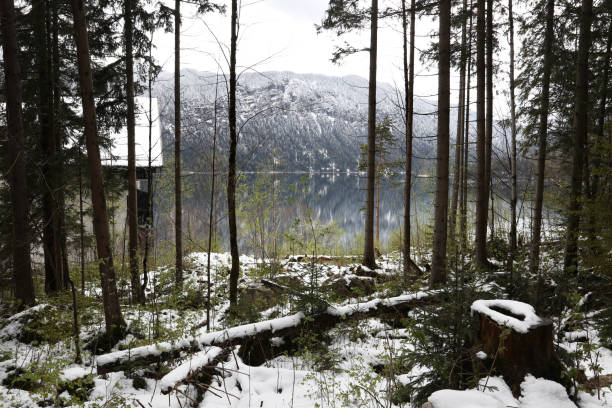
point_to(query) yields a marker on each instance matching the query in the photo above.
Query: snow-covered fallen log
(260, 332)
(194, 364)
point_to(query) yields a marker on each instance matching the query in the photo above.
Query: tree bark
(466, 140)
(58, 162)
(513, 181)
(409, 105)
(480, 242)
(112, 311)
(22, 267)
(149, 220)
(580, 134)
(369, 257)
(51, 248)
(231, 176)
(178, 206)
(132, 194)
(534, 257)
(212, 207)
(438, 265)
(459, 145)
(489, 114)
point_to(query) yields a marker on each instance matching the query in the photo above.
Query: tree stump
(516, 341)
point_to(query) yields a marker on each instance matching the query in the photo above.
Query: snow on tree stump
(526, 341)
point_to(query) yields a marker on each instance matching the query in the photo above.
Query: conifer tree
(22, 267)
(438, 265)
(115, 324)
(581, 106)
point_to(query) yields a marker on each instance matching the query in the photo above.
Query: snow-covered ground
(345, 374)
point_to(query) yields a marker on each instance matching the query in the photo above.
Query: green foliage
(441, 339)
(260, 211)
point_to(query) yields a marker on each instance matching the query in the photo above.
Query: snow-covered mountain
(299, 121)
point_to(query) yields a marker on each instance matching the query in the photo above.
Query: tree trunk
(438, 264)
(378, 178)
(459, 145)
(212, 207)
(58, 163)
(466, 140)
(22, 267)
(231, 176)
(409, 105)
(489, 114)
(149, 220)
(480, 242)
(50, 241)
(534, 257)
(580, 134)
(112, 311)
(513, 182)
(593, 227)
(369, 257)
(132, 194)
(81, 225)
(178, 205)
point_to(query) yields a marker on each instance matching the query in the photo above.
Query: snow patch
(518, 308)
(194, 363)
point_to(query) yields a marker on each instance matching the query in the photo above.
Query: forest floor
(349, 365)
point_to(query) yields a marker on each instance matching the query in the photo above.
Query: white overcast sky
(280, 35)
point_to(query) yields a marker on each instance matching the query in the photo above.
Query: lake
(272, 202)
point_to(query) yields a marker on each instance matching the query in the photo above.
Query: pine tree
(231, 176)
(115, 324)
(534, 259)
(581, 106)
(369, 257)
(438, 265)
(22, 267)
(480, 242)
(178, 205)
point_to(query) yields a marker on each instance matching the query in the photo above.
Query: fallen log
(192, 366)
(260, 332)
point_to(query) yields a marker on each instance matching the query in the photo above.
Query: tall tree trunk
(112, 311)
(593, 227)
(22, 267)
(534, 257)
(212, 207)
(489, 114)
(513, 182)
(438, 264)
(369, 257)
(231, 176)
(480, 242)
(51, 246)
(378, 178)
(409, 105)
(132, 194)
(81, 225)
(580, 134)
(466, 139)
(58, 164)
(178, 204)
(149, 220)
(459, 146)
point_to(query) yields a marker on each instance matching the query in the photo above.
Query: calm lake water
(325, 198)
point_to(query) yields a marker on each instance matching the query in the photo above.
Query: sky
(280, 35)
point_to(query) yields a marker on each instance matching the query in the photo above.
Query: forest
(180, 231)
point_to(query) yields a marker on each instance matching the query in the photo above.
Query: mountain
(299, 122)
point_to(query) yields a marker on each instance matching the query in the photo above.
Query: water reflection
(337, 197)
